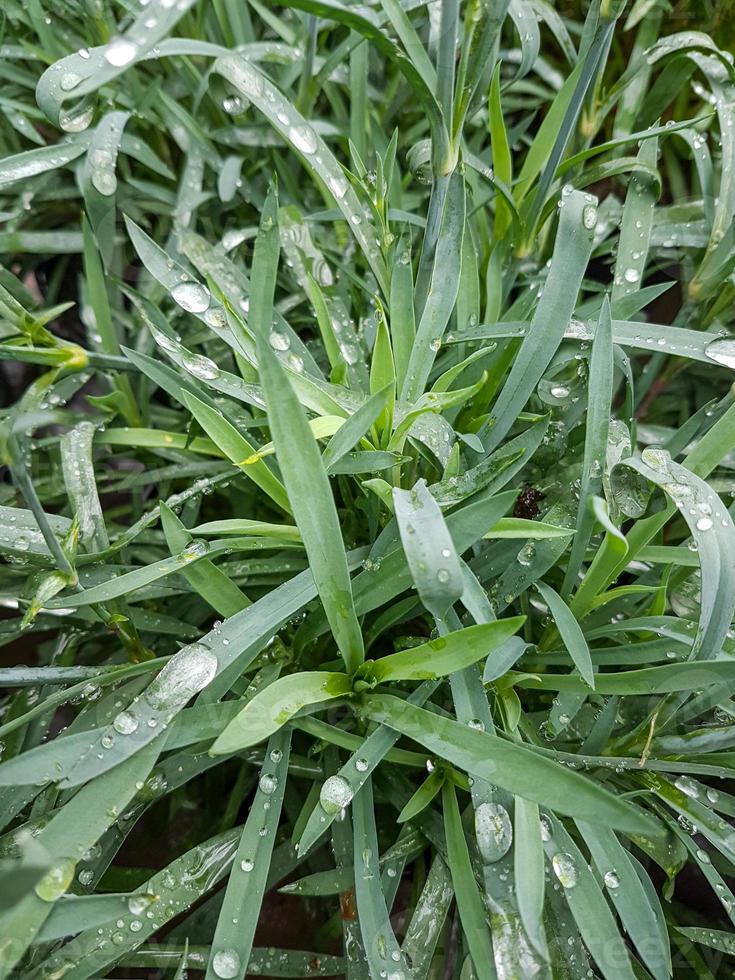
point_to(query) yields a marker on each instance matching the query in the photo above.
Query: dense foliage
(368, 562)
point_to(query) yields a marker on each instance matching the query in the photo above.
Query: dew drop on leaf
(188, 672)
(125, 723)
(303, 138)
(493, 830)
(191, 296)
(56, 881)
(565, 869)
(722, 351)
(120, 52)
(226, 963)
(336, 794)
(267, 784)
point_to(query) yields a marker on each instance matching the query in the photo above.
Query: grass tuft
(366, 524)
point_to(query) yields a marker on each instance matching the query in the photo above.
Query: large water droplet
(493, 830)
(303, 138)
(191, 296)
(278, 340)
(565, 869)
(69, 81)
(120, 52)
(226, 963)
(187, 673)
(104, 181)
(722, 351)
(611, 879)
(337, 185)
(196, 548)
(687, 786)
(336, 794)
(125, 723)
(77, 119)
(200, 366)
(232, 104)
(56, 881)
(267, 784)
(137, 904)
(589, 216)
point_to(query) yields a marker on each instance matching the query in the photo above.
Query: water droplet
(611, 879)
(722, 351)
(276, 756)
(303, 138)
(69, 81)
(337, 185)
(704, 523)
(336, 794)
(125, 723)
(120, 52)
(232, 104)
(631, 275)
(278, 340)
(565, 869)
(191, 296)
(247, 865)
(493, 830)
(226, 964)
(442, 576)
(104, 181)
(200, 366)
(687, 786)
(361, 765)
(195, 549)
(589, 216)
(560, 391)
(56, 881)
(188, 672)
(267, 784)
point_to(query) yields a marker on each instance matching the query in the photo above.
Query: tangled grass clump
(368, 562)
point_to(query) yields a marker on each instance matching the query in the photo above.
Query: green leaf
(568, 263)
(422, 797)
(442, 293)
(518, 527)
(303, 472)
(587, 904)
(232, 942)
(442, 656)
(278, 703)
(516, 768)
(237, 448)
(570, 631)
(429, 548)
(466, 892)
(528, 855)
